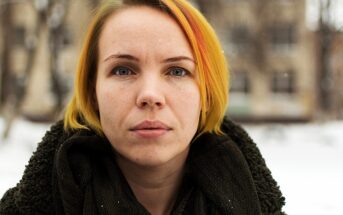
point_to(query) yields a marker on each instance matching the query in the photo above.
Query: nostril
(150, 101)
(147, 103)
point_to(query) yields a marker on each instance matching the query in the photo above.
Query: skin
(146, 71)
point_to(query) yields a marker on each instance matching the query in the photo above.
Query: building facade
(336, 68)
(271, 57)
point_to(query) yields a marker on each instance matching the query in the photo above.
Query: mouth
(150, 129)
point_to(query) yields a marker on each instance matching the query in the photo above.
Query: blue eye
(177, 71)
(121, 71)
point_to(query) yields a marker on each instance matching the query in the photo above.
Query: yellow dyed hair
(212, 68)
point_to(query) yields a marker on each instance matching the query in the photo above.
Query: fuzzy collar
(32, 194)
(215, 166)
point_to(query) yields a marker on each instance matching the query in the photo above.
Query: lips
(150, 129)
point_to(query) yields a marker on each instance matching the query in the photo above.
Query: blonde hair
(81, 112)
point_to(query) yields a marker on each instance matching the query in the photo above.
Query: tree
(5, 28)
(51, 16)
(326, 34)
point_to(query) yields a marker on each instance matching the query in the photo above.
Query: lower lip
(153, 133)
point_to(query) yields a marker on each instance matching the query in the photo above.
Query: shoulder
(34, 191)
(270, 196)
(236, 155)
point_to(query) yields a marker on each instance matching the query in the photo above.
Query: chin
(152, 160)
(154, 155)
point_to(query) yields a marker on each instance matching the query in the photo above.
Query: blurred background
(286, 62)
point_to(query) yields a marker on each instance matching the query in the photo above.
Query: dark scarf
(223, 177)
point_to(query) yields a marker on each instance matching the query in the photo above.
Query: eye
(178, 71)
(122, 71)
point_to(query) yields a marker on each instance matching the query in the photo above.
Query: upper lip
(150, 125)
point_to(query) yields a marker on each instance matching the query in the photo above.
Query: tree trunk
(326, 35)
(6, 25)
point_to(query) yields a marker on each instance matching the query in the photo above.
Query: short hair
(210, 60)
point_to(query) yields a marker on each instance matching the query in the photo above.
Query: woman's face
(146, 87)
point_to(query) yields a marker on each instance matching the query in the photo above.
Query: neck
(155, 188)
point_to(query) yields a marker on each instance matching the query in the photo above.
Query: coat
(76, 173)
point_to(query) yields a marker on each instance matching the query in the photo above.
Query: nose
(150, 94)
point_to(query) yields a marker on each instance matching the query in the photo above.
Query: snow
(305, 159)
(307, 162)
(16, 151)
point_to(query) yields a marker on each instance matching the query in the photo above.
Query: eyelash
(185, 71)
(116, 71)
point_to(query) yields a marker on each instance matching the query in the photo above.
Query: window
(240, 37)
(240, 82)
(282, 36)
(286, 1)
(67, 36)
(283, 82)
(19, 36)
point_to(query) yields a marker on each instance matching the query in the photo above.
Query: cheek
(187, 104)
(188, 114)
(113, 102)
(109, 93)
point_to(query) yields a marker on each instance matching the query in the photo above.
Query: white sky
(312, 13)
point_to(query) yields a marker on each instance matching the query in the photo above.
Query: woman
(145, 132)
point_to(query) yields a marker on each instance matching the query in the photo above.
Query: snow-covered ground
(306, 160)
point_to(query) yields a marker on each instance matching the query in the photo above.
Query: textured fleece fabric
(76, 173)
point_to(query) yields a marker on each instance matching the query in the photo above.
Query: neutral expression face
(146, 87)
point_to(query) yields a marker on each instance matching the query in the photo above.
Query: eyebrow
(178, 58)
(122, 56)
(133, 58)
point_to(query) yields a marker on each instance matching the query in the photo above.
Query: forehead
(145, 27)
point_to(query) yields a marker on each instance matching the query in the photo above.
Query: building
(271, 55)
(336, 68)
